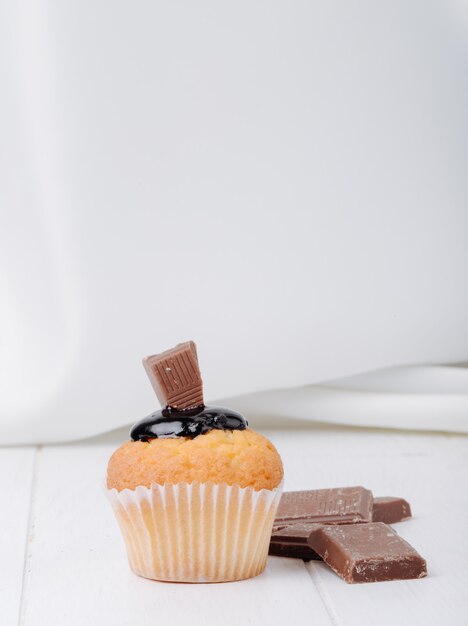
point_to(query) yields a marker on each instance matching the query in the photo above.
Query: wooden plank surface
(431, 471)
(79, 574)
(76, 570)
(16, 481)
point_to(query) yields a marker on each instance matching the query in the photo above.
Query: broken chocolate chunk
(291, 541)
(293, 551)
(390, 510)
(361, 553)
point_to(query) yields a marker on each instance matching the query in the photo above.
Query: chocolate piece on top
(364, 553)
(175, 377)
(346, 505)
(390, 510)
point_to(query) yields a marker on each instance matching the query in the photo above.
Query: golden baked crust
(235, 457)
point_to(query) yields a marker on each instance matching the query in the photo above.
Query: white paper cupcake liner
(198, 532)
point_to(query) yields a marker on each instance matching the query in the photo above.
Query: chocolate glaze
(170, 423)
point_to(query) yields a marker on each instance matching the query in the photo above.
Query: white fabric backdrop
(283, 182)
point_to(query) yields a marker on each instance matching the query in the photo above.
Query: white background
(283, 182)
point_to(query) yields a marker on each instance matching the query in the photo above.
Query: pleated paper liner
(198, 532)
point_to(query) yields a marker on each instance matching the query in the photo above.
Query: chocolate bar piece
(293, 551)
(299, 512)
(346, 505)
(175, 377)
(390, 510)
(291, 541)
(364, 553)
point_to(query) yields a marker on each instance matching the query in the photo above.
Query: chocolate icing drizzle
(170, 423)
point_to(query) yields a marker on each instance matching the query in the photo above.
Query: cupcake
(195, 490)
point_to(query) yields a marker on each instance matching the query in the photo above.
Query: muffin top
(235, 457)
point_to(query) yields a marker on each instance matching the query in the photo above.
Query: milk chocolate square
(363, 553)
(390, 510)
(175, 376)
(345, 505)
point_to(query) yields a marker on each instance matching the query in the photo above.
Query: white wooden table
(62, 560)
